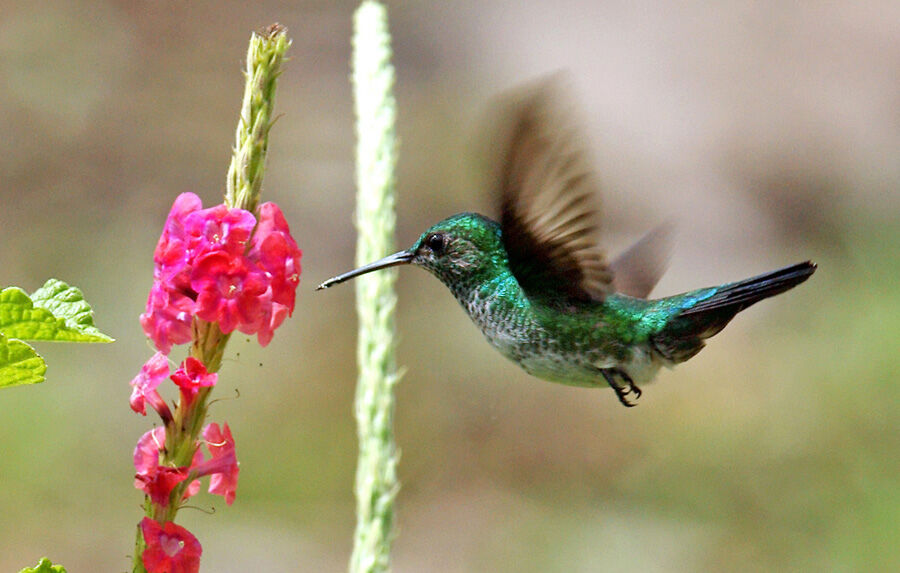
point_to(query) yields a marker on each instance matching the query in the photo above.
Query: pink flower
(146, 453)
(190, 377)
(275, 250)
(158, 484)
(159, 481)
(278, 313)
(184, 205)
(223, 465)
(210, 263)
(168, 317)
(170, 548)
(219, 228)
(144, 386)
(171, 254)
(155, 480)
(232, 292)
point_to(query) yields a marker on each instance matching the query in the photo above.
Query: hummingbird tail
(684, 335)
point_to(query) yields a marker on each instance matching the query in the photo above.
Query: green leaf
(19, 363)
(56, 311)
(44, 566)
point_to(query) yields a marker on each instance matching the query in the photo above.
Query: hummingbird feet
(622, 384)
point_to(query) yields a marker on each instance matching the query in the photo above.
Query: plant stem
(376, 478)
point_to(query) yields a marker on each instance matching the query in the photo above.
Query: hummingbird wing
(637, 270)
(547, 191)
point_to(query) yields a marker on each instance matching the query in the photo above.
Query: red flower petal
(152, 373)
(223, 465)
(170, 548)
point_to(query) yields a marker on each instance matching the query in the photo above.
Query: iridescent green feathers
(684, 334)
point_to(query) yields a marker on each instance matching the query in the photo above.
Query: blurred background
(768, 131)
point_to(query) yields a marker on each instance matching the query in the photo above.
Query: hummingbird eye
(436, 242)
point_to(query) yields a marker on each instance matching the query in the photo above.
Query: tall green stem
(376, 476)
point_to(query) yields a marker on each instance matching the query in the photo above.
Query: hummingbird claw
(622, 391)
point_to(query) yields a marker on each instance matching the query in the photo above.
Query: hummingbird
(537, 283)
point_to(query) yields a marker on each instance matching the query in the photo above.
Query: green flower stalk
(376, 473)
(251, 140)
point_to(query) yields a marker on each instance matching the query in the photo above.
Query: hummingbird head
(462, 248)
(459, 250)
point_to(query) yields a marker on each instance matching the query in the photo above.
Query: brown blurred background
(769, 131)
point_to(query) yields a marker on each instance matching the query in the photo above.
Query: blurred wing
(637, 270)
(547, 193)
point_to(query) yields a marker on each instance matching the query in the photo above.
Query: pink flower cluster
(219, 265)
(190, 377)
(170, 547)
(210, 263)
(159, 481)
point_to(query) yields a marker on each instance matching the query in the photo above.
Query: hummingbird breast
(568, 346)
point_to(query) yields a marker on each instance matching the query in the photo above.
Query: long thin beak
(401, 258)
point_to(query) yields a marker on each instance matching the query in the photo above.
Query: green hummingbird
(537, 283)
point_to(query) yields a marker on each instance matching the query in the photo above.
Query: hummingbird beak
(401, 258)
